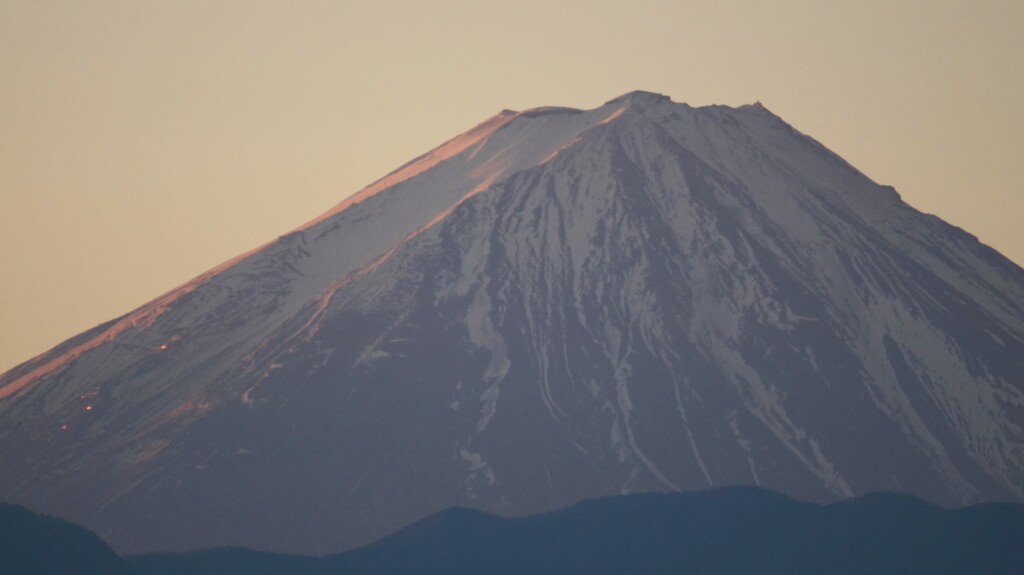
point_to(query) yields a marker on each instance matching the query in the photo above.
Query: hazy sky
(144, 142)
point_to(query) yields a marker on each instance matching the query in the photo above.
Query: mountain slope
(556, 305)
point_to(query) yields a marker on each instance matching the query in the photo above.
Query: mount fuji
(556, 305)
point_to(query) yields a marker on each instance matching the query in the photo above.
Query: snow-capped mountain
(557, 304)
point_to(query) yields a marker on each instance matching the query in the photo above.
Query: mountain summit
(555, 305)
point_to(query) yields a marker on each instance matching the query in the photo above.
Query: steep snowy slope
(557, 304)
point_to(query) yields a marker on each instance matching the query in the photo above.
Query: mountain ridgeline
(556, 305)
(722, 531)
(33, 544)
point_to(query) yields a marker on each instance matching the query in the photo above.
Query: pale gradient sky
(143, 142)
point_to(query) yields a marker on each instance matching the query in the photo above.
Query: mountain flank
(556, 305)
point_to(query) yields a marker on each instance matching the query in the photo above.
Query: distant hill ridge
(726, 530)
(34, 544)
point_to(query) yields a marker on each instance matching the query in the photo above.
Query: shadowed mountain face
(555, 305)
(727, 531)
